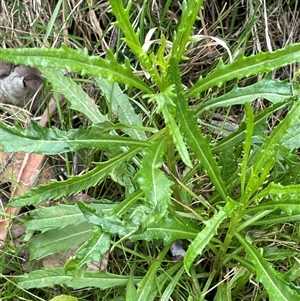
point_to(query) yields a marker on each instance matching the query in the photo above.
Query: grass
(154, 163)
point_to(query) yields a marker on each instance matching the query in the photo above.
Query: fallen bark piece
(25, 178)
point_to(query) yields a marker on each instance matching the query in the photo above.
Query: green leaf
(284, 201)
(190, 129)
(228, 163)
(73, 185)
(262, 62)
(260, 125)
(52, 21)
(272, 90)
(223, 292)
(107, 126)
(204, 237)
(131, 38)
(122, 108)
(269, 148)
(64, 298)
(190, 11)
(108, 223)
(276, 286)
(131, 293)
(291, 139)
(275, 253)
(276, 189)
(91, 251)
(59, 240)
(37, 139)
(247, 145)
(57, 276)
(170, 228)
(294, 273)
(168, 109)
(75, 61)
(59, 216)
(73, 92)
(154, 182)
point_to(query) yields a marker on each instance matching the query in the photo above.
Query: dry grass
(88, 24)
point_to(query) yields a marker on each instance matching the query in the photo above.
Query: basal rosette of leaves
(245, 194)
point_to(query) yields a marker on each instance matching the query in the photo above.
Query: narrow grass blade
(64, 298)
(260, 125)
(52, 21)
(276, 286)
(171, 286)
(148, 283)
(268, 149)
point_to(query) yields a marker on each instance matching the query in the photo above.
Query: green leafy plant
(165, 158)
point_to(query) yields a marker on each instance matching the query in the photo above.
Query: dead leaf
(5, 69)
(24, 175)
(19, 84)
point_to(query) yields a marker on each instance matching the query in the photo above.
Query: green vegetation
(157, 169)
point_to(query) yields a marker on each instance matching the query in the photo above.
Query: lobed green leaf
(154, 183)
(57, 276)
(168, 109)
(192, 133)
(276, 286)
(262, 62)
(59, 216)
(204, 237)
(108, 223)
(190, 11)
(50, 141)
(91, 251)
(131, 37)
(75, 95)
(122, 108)
(75, 61)
(169, 229)
(273, 90)
(72, 185)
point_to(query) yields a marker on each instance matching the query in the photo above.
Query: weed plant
(156, 176)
